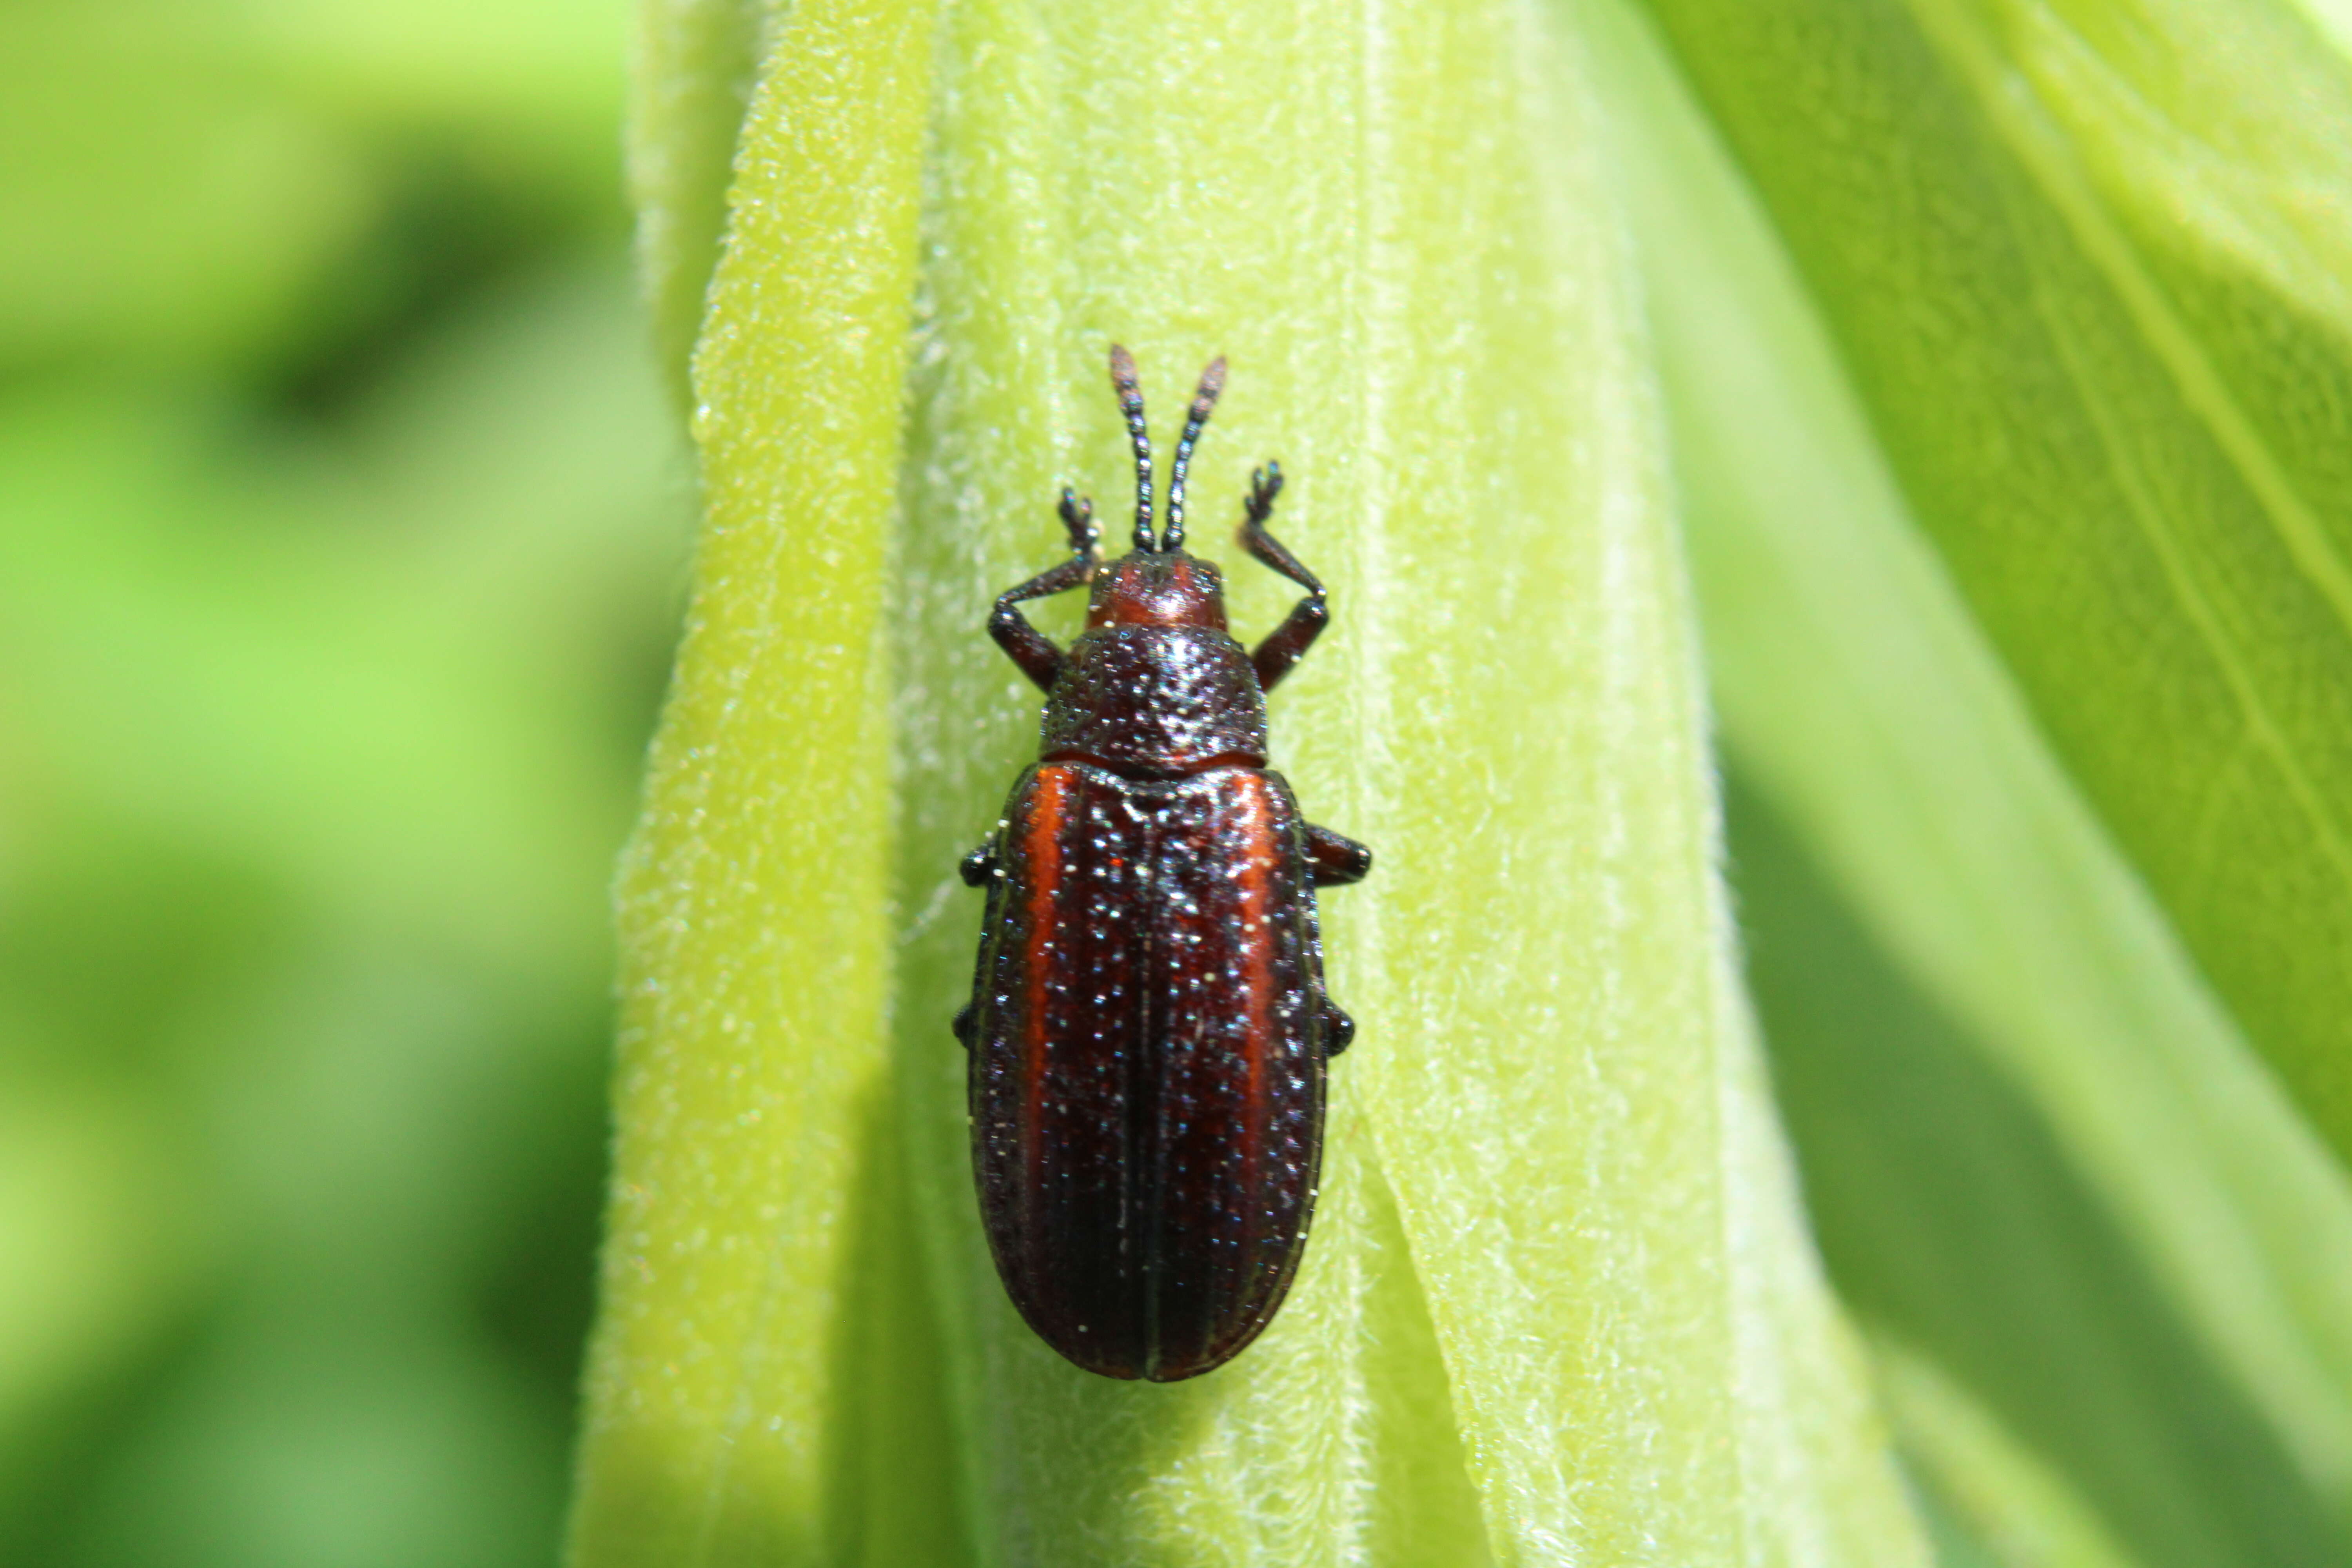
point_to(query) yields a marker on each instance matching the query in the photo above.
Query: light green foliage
(696, 64)
(2035, 1146)
(340, 525)
(1559, 1305)
(234, 183)
(2086, 261)
(753, 1072)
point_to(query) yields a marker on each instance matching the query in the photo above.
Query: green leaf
(1559, 1304)
(755, 904)
(696, 62)
(2034, 1145)
(1994, 1494)
(2085, 261)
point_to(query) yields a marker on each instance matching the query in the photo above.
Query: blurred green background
(342, 537)
(342, 530)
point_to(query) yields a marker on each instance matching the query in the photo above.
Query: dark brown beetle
(1149, 1026)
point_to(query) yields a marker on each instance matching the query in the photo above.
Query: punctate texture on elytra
(1147, 1083)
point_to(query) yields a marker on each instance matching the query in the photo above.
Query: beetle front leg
(1032, 649)
(1334, 859)
(1287, 643)
(978, 866)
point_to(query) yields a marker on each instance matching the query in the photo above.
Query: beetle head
(1157, 588)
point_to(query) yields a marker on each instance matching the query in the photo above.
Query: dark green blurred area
(1922, 1161)
(341, 535)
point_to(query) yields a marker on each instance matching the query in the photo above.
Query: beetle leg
(1335, 860)
(1287, 643)
(978, 869)
(1032, 649)
(1337, 1029)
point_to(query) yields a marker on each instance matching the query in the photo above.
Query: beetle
(1148, 1028)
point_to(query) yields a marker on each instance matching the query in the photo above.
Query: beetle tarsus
(1078, 517)
(1265, 484)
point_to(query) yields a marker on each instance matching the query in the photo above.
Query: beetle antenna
(1213, 381)
(1130, 402)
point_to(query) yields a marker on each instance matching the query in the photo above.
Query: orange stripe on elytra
(1257, 857)
(1045, 857)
